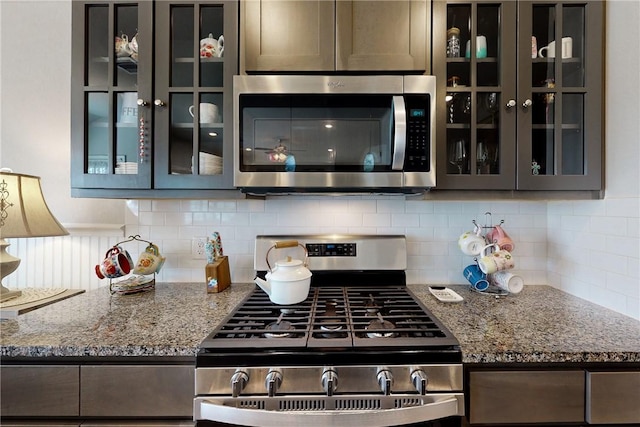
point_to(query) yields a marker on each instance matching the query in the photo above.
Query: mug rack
(135, 283)
(488, 224)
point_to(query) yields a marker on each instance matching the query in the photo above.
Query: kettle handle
(288, 244)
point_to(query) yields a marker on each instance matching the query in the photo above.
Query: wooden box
(217, 275)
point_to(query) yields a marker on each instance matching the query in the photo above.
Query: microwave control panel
(417, 155)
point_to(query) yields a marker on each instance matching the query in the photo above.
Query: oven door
(358, 410)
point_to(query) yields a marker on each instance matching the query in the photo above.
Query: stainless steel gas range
(360, 350)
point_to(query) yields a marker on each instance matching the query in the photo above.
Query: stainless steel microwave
(312, 133)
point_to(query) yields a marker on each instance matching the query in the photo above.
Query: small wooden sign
(218, 275)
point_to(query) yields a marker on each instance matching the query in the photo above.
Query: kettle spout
(264, 285)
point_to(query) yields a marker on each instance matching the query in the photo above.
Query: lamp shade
(23, 210)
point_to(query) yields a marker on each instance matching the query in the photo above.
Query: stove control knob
(385, 380)
(329, 381)
(273, 381)
(239, 380)
(420, 381)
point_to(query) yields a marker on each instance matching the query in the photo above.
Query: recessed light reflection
(213, 134)
(328, 125)
(448, 98)
(248, 149)
(330, 150)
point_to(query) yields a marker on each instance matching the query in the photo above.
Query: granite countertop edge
(172, 320)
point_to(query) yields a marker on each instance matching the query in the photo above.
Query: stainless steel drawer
(38, 390)
(613, 397)
(137, 391)
(503, 397)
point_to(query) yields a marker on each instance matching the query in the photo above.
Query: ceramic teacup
(117, 263)
(212, 48)
(149, 262)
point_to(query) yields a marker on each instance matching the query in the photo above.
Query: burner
(371, 305)
(281, 328)
(329, 325)
(376, 325)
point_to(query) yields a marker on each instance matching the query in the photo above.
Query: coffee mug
(501, 238)
(208, 113)
(471, 243)
(481, 47)
(476, 277)
(492, 262)
(567, 49)
(507, 281)
(150, 261)
(117, 263)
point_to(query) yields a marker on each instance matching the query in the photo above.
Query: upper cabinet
(146, 118)
(520, 94)
(329, 36)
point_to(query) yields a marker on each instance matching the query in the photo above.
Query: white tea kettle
(289, 282)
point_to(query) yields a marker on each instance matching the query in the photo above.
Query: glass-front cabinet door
(192, 102)
(560, 128)
(476, 148)
(111, 75)
(520, 94)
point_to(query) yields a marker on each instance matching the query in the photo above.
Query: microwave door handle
(400, 133)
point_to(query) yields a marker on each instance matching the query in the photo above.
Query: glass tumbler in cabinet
(477, 152)
(564, 74)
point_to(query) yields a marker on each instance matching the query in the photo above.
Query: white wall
(35, 104)
(588, 248)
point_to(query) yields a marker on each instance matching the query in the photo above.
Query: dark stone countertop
(539, 325)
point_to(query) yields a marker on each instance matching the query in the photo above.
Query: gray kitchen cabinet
(39, 391)
(612, 397)
(512, 397)
(136, 391)
(154, 394)
(514, 116)
(151, 114)
(328, 36)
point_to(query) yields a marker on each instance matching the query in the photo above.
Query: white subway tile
(222, 206)
(178, 218)
(166, 205)
(194, 206)
(152, 218)
(234, 219)
(405, 220)
(627, 207)
(376, 220)
(207, 218)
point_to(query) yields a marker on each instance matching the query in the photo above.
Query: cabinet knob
(511, 103)
(142, 103)
(159, 103)
(527, 103)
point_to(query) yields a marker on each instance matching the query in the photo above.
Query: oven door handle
(224, 410)
(400, 133)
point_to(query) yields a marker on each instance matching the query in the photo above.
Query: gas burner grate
(332, 317)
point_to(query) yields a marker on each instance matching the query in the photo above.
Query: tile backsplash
(432, 230)
(587, 248)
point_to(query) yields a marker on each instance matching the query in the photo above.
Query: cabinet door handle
(159, 103)
(142, 103)
(527, 103)
(511, 103)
